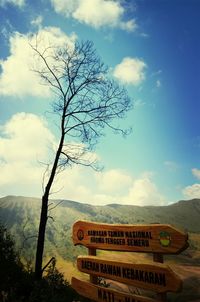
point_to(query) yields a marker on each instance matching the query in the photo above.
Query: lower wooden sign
(155, 277)
(104, 294)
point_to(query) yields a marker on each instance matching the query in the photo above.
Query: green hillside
(21, 216)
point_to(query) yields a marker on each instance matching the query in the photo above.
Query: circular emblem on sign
(165, 238)
(80, 234)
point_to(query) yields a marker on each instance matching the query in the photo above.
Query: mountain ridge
(21, 216)
(69, 201)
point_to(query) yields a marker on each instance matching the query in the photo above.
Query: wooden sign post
(158, 239)
(152, 238)
(157, 277)
(103, 294)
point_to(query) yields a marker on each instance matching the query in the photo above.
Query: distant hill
(21, 216)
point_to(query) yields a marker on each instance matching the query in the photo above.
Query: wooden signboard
(156, 277)
(103, 294)
(152, 238)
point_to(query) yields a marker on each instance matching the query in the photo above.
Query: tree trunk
(44, 211)
(41, 237)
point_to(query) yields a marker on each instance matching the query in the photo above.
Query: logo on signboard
(165, 238)
(80, 234)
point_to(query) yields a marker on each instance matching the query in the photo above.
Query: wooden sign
(152, 238)
(157, 277)
(103, 294)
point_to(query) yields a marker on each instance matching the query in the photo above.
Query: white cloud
(158, 83)
(25, 139)
(82, 184)
(130, 71)
(196, 173)
(114, 181)
(16, 78)
(37, 21)
(129, 25)
(192, 191)
(96, 13)
(144, 192)
(77, 183)
(144, 35)
(19, 3)
(65, 7)
(6, 30)
(25, 142)
(112, 186)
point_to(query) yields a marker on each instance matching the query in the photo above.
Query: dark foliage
(11, 268)
(18, 285)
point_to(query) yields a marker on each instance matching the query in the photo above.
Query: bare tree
(86, 101)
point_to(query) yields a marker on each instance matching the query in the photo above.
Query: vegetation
(18, 284)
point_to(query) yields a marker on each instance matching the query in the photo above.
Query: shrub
(19, 285)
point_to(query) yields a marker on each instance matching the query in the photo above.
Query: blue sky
(152, 47)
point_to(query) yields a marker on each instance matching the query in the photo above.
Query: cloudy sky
(152, 47)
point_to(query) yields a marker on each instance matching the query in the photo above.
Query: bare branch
(53, 260)
(41, 55)
(51, 218)
(25, 237)
(50, 209)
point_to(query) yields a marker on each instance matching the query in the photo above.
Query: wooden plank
(93, 252)
(159, 258)
(155, 277)
(103, 294)
(152, 238)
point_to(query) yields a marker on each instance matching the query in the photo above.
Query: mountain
(21, 217)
